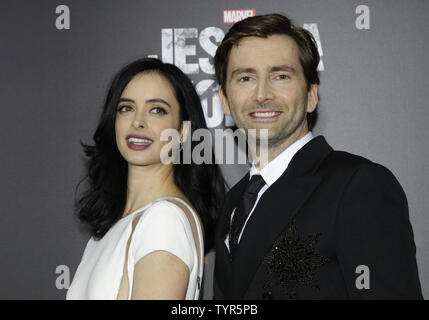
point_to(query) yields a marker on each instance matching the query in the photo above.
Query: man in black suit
(311, 222)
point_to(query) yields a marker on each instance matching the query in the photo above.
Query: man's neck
(274, 149)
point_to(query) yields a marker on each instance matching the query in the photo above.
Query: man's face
(266, 88)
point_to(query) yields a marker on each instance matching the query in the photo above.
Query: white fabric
(162, 226)
(276, 167)
(272, 172)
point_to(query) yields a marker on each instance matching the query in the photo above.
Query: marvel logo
(233, 16)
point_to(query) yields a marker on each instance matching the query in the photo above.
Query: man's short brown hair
(263, 26)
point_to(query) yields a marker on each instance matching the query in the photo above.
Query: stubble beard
(289, 133)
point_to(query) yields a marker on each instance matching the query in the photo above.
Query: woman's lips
(136, 142)
(264, 115)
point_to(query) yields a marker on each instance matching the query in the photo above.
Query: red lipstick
(138, 142)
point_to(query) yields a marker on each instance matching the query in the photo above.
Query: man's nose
(263, 91)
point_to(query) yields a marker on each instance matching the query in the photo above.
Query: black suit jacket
(333, 226)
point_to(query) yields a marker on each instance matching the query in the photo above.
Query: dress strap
(200, 237)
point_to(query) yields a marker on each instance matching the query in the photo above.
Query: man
(312, 223)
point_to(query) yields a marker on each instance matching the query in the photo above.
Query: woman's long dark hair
(102, 203)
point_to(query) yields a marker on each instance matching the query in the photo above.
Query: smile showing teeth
(139, 141)
(264, 114)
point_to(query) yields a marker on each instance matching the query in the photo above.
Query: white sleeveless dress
(162, 226)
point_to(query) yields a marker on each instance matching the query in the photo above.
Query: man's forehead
(275, 39)
(264, 53)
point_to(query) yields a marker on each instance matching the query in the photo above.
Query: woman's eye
(158, 111)
(124, 108)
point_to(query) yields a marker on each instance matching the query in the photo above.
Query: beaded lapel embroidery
(293, 261)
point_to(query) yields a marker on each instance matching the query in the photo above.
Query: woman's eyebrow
(126, 100)
(158, 100)
(155, 100)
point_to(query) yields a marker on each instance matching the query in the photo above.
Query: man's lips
(265, 115)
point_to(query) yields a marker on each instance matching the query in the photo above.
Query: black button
(267, 295)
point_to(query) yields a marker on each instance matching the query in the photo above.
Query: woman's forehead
(147, 86)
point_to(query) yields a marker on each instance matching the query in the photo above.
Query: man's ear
(312, 98)
(224, 102)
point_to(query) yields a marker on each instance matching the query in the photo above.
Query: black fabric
(328, 217)
(242, 211)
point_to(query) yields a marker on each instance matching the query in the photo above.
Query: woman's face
(147, 107)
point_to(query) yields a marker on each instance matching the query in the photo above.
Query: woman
(145, 216)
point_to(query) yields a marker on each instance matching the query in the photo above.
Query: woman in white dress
(150, 220)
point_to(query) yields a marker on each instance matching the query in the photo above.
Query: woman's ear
(185, 131)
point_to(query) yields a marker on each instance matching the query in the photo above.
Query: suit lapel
(267, 222)
(276, 208)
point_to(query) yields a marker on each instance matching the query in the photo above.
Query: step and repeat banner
(58, 58)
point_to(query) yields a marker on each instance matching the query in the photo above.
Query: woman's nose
(137, 124)
(138, 121)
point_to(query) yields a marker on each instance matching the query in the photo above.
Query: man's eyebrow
(283, 68)
(271, 69)
(242, 70)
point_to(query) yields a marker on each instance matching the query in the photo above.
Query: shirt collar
(276, 167)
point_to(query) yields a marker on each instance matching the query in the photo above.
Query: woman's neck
(147, 183)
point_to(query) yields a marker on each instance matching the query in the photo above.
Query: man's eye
(282, 77)
(158, 111)
(124, 108)
(244, 79)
